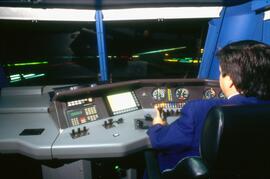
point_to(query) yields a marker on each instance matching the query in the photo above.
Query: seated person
(244, 79)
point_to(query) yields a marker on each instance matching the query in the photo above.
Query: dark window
(48, 53)
(155, 49)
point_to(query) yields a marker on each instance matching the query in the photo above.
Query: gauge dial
(209, 93)
(221, 95)
(182, 93)
(159, 94)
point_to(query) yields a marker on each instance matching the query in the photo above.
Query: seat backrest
(235, 141)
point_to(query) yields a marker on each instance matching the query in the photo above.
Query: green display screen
(75, 113)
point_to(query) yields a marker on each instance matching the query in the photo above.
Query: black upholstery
(234, 144)
(235, 141)
(188, 168)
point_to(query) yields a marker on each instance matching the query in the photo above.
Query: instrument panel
(81, 111)
(108, 120)
(87, 105)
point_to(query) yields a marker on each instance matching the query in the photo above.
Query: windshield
(50, 53)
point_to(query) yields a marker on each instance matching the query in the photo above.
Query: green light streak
(28, 75)
(14, 76)
(17, 77)
(160, 51)
(183, 60)
(27, 64)
(35, 76)
(13, 81)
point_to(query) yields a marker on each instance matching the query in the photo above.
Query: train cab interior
(79, 81)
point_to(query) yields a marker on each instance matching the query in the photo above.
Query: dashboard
(77, 107)
(108, 120)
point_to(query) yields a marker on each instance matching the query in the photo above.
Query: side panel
(237, 23)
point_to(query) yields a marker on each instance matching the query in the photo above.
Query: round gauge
(159, 94)
(209, 93)
(221, 95)
(182, 93)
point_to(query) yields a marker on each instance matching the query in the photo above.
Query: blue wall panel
(266, 32)
(103, 69)
(237, 23)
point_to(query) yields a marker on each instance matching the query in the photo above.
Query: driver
(244, 79)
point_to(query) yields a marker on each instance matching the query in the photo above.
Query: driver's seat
(234, 144)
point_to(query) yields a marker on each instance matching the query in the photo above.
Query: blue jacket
(181, 138)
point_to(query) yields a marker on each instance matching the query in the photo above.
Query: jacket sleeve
(178, 134)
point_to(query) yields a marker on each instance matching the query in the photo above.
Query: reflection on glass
(66, 52)
(155, 48)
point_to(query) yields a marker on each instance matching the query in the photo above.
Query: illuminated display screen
(122, 102)
(75, 113)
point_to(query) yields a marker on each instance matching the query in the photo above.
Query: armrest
(188, 168)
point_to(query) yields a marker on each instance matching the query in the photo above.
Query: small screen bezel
(113, 113)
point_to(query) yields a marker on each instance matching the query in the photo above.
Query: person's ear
(230, 82)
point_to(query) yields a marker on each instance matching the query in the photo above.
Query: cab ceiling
(111, 4)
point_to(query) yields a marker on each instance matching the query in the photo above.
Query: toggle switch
(148, 117)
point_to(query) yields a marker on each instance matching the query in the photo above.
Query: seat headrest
(236, 138)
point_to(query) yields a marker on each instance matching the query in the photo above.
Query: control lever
(80, 132)
(162, 114)
(108, 124)
(139, 124)
(148, 117)
(119, 121)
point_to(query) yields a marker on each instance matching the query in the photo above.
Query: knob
(108, 124)
(139, 124)
(105, 124)
(73, 132)
(172, 112)
(167, 113)
(148, 117)
(110, 121)
(120, 120)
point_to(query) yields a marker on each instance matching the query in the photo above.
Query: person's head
(245, 67)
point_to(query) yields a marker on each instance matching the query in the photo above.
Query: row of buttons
(76, 121)
(90, 110)
(78, 102)
(92, 117)
(170, 105)
(125, 110)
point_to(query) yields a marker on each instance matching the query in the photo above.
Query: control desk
(107, 120)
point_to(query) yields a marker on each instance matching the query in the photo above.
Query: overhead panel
(57, 14)
(50, 14)
(108, 4)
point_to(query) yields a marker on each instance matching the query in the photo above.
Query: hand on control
(158, 119)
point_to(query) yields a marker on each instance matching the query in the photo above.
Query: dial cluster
(210, 93)
(183, 94)
(160, 94)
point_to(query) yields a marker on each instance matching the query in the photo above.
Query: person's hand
(157, 119)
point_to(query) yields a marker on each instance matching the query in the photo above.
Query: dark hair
(248, 64)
